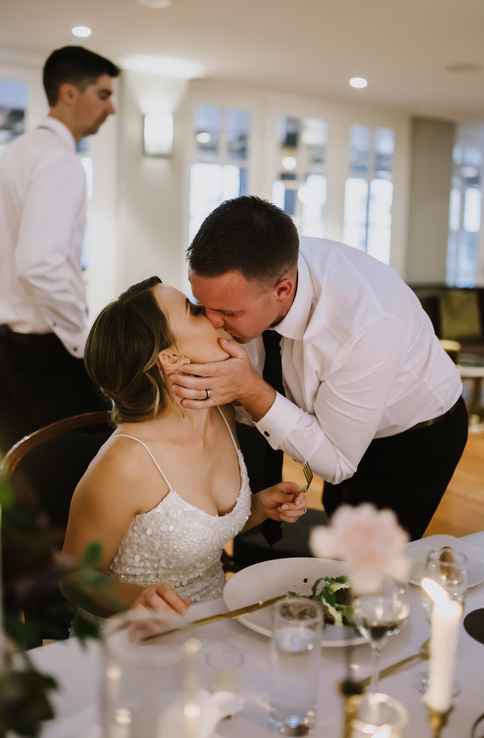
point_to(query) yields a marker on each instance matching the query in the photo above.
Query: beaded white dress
(179, 544)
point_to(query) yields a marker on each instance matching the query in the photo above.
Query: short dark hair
(122, 350)
(247, 234)
(76, 65)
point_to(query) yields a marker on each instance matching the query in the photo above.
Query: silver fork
(308, 475)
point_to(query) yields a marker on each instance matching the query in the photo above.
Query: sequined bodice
(179, 544)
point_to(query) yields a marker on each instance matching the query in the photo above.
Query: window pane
(237, 131)
(211, 184)
(208, 122)
(312, 200)
(356, 207)
(301, 187)
(360, 151)
(464, 212)
(384, 147)
(369, 191)
(13, 104)
(380, 219)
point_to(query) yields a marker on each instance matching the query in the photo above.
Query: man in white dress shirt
(370, 399)
(43, 307)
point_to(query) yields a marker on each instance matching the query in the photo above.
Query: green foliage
(31, 573)
(25, 700)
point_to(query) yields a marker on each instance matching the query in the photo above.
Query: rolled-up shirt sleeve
(54, 206)
(347, 408)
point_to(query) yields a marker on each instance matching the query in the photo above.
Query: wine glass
(379, 615)
(452, 576)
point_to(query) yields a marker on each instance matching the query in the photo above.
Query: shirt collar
(60, 129)
(294, 323)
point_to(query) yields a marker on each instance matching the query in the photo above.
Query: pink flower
(371, 542)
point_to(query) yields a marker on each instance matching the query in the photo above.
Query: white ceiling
(304, 46)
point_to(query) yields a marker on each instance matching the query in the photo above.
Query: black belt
(24, 338)
(433, 421)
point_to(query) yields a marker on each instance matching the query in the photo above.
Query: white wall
(149, 205)
(432, 146)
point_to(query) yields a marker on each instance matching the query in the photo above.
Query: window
(369, 191)
(464, 214)
(301, 187)
(13, 104)
(220, 169)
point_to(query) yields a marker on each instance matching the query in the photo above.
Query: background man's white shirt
(42, 223)
(360, 361)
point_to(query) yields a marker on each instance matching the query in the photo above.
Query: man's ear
(170, 361)
(67, 93)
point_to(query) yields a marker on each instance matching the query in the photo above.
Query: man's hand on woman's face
(217, 383)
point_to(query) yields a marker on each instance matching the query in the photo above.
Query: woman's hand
(162, 599)
(282, 502)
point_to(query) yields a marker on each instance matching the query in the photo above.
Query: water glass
(296, 654)
(143, 676)
(379, 716)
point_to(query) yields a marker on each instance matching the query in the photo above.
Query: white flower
(370, 541)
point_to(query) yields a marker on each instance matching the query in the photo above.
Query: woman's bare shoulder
(117, 466)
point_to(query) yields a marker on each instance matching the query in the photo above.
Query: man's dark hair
(248, 235)
(76, 65)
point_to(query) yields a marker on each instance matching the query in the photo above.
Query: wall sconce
(158, 134)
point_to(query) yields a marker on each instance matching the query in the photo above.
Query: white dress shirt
(42, 224)
(360, 361)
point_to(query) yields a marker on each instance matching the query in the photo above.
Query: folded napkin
(206, 710)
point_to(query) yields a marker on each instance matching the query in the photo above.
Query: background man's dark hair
(248, 235)
(76, 65)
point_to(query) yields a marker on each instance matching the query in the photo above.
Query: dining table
(78, 670)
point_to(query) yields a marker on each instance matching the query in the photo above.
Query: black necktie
(272, 372)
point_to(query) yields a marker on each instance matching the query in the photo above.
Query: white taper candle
(446, 617)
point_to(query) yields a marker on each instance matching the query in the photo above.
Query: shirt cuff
(279, 421)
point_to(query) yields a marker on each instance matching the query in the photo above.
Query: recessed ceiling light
(359, 83)
(81, 31)
(156, 4)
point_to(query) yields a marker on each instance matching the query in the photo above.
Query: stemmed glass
(379, 615)
(452, 576)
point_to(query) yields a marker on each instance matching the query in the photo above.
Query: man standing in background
(43, 200)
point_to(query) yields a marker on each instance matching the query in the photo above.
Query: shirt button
(266, 433)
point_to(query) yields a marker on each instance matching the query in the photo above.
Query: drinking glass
(379, 615)
(295, 653)
(379, 715)
(452, 576)
(144, 676)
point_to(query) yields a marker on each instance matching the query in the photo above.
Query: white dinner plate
(278, 576)
(418, 551)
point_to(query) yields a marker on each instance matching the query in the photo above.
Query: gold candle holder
(352, 692)
(438, 720)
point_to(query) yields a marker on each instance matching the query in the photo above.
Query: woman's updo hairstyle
(122, 351)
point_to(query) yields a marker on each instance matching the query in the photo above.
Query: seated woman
(169, 488)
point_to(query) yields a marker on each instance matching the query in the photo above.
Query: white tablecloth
(78, 672)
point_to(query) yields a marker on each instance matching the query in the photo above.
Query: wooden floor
(462, 508)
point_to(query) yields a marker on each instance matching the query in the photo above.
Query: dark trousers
(407, 473)
(40, 382)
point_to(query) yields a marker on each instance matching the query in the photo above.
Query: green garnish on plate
(334, 594)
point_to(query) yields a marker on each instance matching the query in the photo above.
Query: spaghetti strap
(150, 454)
(236, 445)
